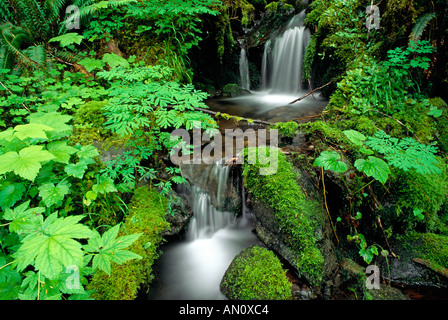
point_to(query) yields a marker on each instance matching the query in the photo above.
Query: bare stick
(311, 92)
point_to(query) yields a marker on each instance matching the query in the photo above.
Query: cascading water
(283, 58)
(281, 79)
(192, 269)
(244, 70)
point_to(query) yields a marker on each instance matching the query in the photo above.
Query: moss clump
(296, 215)
(232, 90)
(89, 122)
(428, 246)
(147, 216)
(256, 274)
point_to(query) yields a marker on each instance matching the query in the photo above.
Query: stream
(192, 267)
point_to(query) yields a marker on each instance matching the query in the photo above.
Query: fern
(420, 26)
(6, 14)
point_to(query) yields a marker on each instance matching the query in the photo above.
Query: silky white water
(192, 268)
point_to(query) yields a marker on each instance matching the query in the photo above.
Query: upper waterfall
(283, 57)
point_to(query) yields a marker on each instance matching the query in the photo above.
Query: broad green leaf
(55, 120)
(26, 163)
(22, 217)
(88, 151)
(61, 151)
(91, 64)
(67, 39)
(356, 137)
(54, 247)
(51, 194)
(32, 130)
(11, 194)
(110, 248)
(435, 112)
(77, 170)
(114, 60)
(374, 167)
(105, 185)
(330, 160)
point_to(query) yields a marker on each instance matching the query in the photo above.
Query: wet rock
(178, 215)
(406, 270)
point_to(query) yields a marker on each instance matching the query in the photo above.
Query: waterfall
(244, 70)
(283, 57)
(192, 269)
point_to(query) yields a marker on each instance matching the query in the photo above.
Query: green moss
(296, 215)
(428, 246)
(146, 215)
(232, 90)
(89, 122)
(256, 274)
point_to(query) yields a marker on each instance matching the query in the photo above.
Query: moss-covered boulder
(422, 260)
(287, 220)
(147, 216)
(256, 273)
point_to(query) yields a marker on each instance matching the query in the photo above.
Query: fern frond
(420, 26)
(6, 14)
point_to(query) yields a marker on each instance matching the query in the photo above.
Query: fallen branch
(311, 92)
(235, 117)
(434, 267)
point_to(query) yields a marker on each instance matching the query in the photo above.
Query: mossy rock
(285, 218)
(422, 260)
(256, 273)
(147, 216)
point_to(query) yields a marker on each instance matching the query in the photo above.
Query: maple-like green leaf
(330, 160)
(104, 185)
(54, 247)
(11, 194)
(32, 130)
(88, 151)
(374, 167)
(77, 170)
(67, 39)
(356, 137)
(55, 120)
(61, 151)
(22, 217)
(109, 248)
(26, 163)
(91, 64)
(51, 194)
(114, 60)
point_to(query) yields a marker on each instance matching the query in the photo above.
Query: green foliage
(330, 160)
(146, 216)
(405, 153)
(282, 193)
(256, 274)
(142, 104)
(287, 129)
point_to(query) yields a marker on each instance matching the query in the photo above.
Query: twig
(317, 115)
(239, 118)
(311, 92)
(326, 206)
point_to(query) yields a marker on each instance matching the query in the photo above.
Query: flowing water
(192, 268)
(281, 77)
(244, 70)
